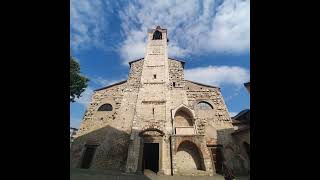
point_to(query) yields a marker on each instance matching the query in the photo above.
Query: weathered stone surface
(155, 105)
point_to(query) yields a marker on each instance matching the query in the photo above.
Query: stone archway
(189, 158)
(151, 132)
(183, 121)
(185, 109)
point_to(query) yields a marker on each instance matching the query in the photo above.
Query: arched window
(204, 105)
(105, 107)
(157, 35)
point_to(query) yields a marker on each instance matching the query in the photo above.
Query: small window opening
(105, 107)
(157, 35)
(154, 76)
(174, 84)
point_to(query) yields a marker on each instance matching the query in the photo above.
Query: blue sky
(212, 36)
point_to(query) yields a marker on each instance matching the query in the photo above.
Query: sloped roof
(121, 82)
(236, 121)
(135, 61)
(176, 60)
(183, 62)
(202, 84)
(243, 116)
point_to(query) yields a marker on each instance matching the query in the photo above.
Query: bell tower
(155, 68)
(151, 107)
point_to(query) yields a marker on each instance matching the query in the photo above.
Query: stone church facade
(155, 120)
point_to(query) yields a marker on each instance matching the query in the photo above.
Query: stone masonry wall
(111, 129)
(155, 87)
(236, 155)
(215, 123)
(199, 143)
(177, 94)
(176, 74)
(134, 78)
(96, 126)
(151, 100)
(212, 120)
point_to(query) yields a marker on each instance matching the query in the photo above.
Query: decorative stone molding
(185, 108)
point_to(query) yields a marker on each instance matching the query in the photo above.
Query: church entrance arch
(151, 150)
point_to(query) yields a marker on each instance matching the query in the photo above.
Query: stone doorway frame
(158, 138)
(217, 147)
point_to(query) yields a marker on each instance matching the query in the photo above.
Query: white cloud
(88, 23)
(218, 75)
(133, 47)
(194, 26)
(85, 98)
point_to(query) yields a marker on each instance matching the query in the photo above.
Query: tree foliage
(78, 83)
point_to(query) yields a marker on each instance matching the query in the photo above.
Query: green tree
(78, 83)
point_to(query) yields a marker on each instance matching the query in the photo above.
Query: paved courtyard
(82, 174)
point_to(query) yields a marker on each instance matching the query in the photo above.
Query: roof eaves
(121, 82)
(202, 84)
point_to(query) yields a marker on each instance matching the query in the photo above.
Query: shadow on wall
(150, 152)
(233, 152)
(107, 148)
(84, 174)
(102, 149)
(191, 149)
